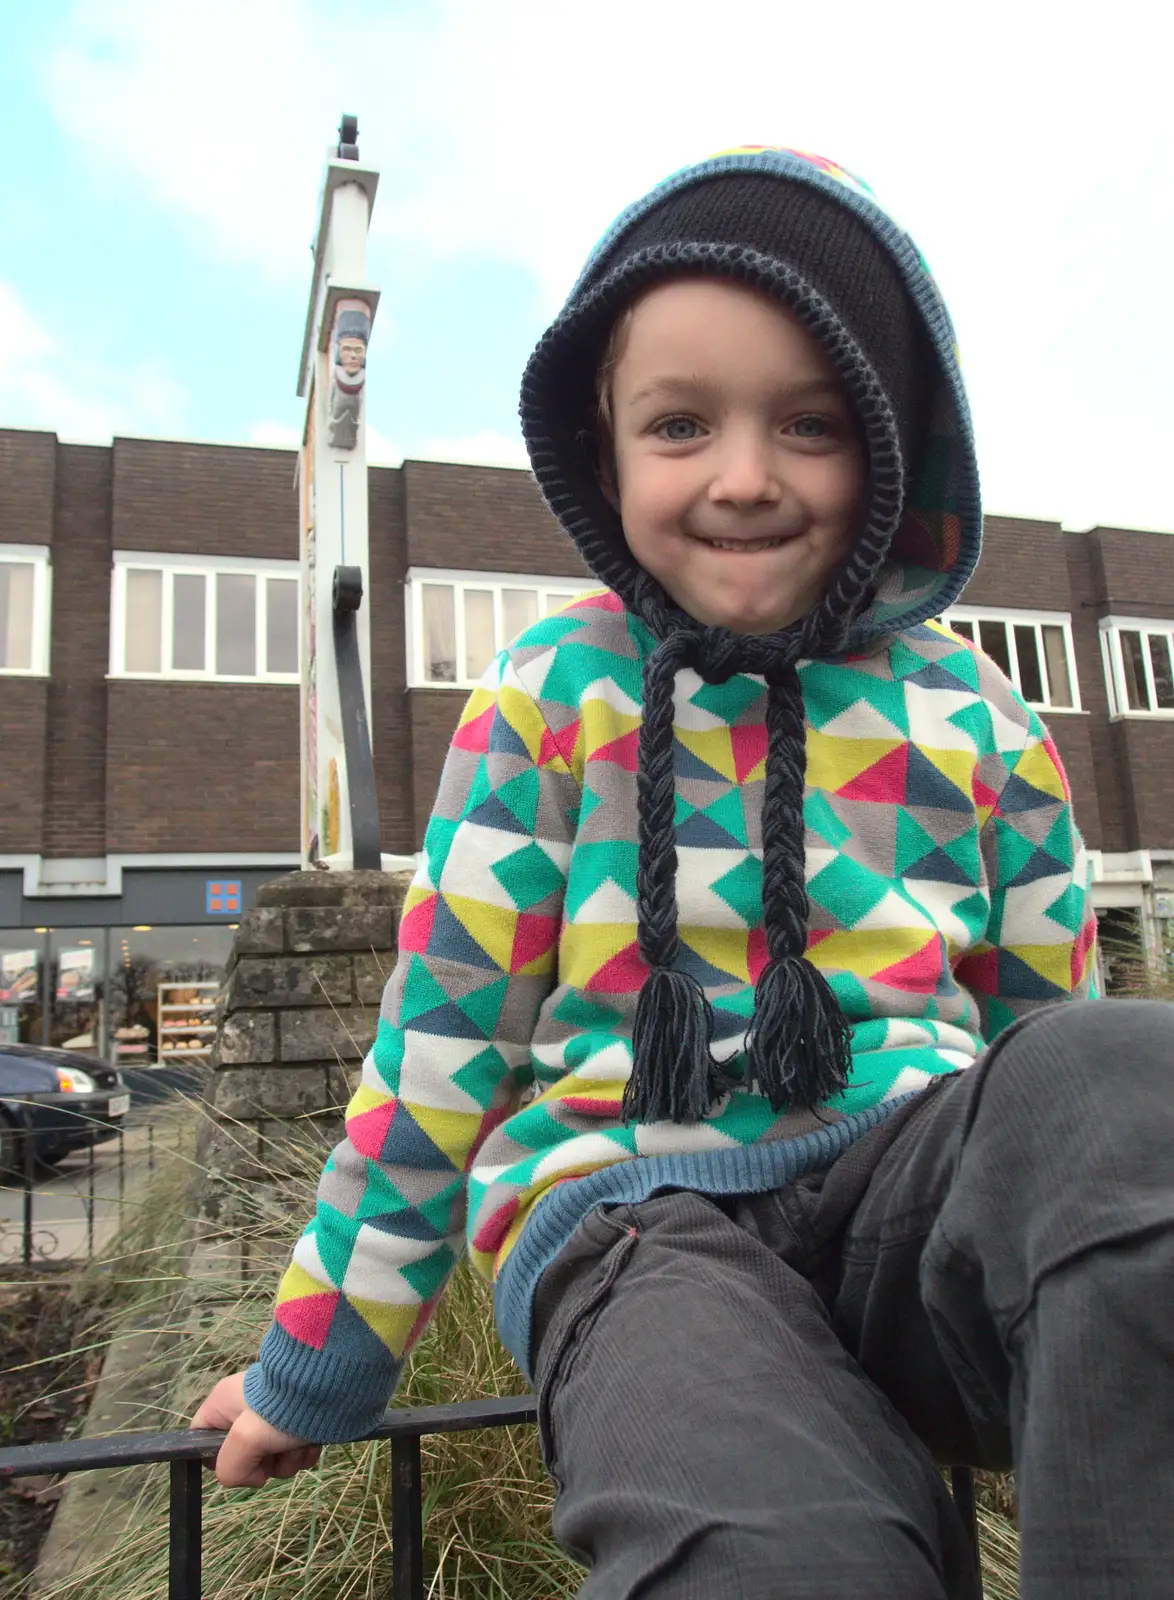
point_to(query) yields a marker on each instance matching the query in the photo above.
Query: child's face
(738, 467)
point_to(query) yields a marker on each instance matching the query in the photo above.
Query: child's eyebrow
(673, 386)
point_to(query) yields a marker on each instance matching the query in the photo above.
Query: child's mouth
(744, 547)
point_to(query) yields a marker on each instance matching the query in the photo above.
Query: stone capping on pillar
(300, 1008)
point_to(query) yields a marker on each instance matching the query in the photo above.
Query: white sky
(1028, 147)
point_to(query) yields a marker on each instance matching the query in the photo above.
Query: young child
(725, 1027)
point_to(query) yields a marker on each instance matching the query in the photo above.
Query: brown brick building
(149, 695)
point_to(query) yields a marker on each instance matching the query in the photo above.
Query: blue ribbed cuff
(320, 1395)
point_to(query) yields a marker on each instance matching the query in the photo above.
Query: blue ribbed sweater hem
(751, 1169)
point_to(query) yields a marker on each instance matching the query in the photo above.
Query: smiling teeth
(746, 545)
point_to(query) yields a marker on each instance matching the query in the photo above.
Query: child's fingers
(289, 1462)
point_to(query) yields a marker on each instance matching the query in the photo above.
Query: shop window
(1033, 648)
(213, 620)
(457, 622)
(77, 989)
(1139, 667)
(21, 987)
(162, 992)
(24, 609)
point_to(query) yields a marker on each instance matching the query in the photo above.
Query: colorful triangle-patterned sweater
(948, 891)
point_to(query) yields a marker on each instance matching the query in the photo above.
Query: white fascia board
(97, 877)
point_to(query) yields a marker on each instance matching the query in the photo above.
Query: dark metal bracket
(356, 736)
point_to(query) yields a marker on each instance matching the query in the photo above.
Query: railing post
(185, 1533)
(962, 1484)
(90, 1203)
(28, 1164)
(407, 1519)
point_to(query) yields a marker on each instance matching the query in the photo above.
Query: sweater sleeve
(1040, 941)
(477, 957)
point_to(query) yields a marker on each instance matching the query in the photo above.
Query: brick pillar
(305, 978)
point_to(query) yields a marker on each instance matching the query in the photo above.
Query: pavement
(61, 1199)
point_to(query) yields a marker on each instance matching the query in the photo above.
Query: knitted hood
(812, 236)
(934, 546)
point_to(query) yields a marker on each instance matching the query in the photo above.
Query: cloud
(381, 451)
(488, 448)
(210, 108)
(78, 398)
(282, 434)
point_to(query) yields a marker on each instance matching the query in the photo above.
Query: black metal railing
(32, 1238)
(404, 1427)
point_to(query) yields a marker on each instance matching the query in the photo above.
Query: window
(185, 617)
(24, 608)
(457, 622)
(1139, 666)
(1034, 649)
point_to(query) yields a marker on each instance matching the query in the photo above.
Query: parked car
(67, 1100)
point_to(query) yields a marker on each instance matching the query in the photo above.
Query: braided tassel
(798, 1049)
(673, 1075)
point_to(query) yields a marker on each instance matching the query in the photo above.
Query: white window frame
(1027, 618)
(206, 567)
(36, 556)
(459, 581)
(1111, 629)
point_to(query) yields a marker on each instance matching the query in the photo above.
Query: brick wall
(1137, 571)
(1147, 758)
(215, 499)
(391, 735)
(23, 704)
(1098, 795)
(27, 466)
(90, 766)
(435, 714)
(207, 767)
(1023, 563)
(75, 773)
(490, 517)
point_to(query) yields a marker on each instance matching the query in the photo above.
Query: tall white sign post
(332, 473)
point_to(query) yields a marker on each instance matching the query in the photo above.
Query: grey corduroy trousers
(747, 1397)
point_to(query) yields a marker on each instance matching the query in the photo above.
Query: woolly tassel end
(673, 1078)
(799, 1050)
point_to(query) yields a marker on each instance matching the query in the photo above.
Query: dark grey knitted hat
(759, 219)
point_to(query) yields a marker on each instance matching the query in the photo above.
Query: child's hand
(254, 1450)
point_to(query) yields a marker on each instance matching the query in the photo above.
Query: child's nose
(745, 474)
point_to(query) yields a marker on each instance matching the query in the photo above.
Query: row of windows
(232, 623)
(238, 621)
(1033, 649)
(457, 625)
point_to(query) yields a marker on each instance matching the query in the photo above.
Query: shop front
(134, 978)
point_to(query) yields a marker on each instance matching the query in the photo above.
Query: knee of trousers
(1074, 1065)
(1066, 1144)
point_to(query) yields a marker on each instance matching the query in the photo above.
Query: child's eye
(812, 427)
(677, 430)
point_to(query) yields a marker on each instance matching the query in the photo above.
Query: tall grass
(325, 1535)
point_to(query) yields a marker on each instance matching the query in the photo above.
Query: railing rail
(403, 1426)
